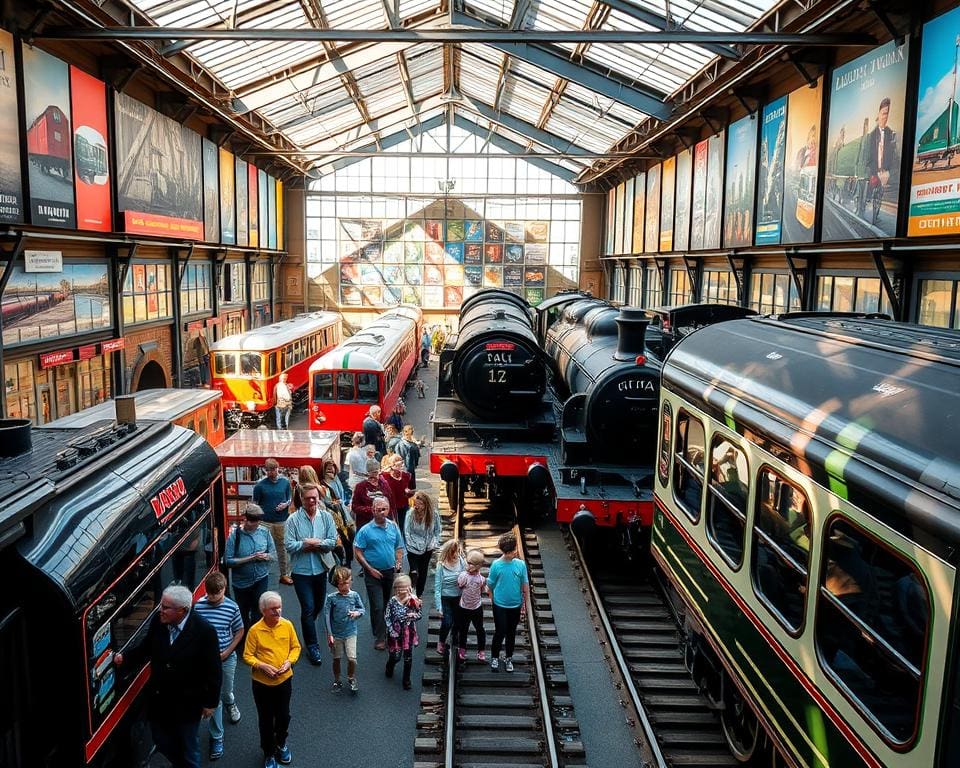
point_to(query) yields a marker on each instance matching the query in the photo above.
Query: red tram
(247, 366)
(370, 368)
(48, 141)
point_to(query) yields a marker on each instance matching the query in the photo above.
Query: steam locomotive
(557, 408)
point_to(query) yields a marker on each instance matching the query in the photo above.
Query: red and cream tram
(370, 368)
(247, 366)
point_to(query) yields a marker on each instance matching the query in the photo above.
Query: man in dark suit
(880, 156)
(185, 675)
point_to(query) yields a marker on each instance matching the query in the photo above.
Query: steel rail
(622, 666)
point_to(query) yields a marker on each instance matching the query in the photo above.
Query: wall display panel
(473, 230)
(639, 215)
(714, 203)
(801, 163)
(773, 145)
(280, 229)
(47, 305)
(513, 253)
(243, 200)
(263, 209)
(610, 230)
(651, 237)
(455, 230)
(88, 97)
(159, 178)
(618, 218)
(628, 217)
(865, 130)
(11, 182)
(271, 212)
(228, 198)
(668, 190)
(253, 202)
(935, 180)
(47, 115)
(681, 215)
(698, 205)
(211, 191)
(741, 169)
(514, 231)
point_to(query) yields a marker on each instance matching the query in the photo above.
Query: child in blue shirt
(341, 610)
(508, 587)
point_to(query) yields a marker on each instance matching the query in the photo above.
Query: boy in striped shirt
(223, 614)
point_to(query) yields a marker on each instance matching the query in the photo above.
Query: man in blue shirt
(378, 548)
(273, 495)
(310, 537)
(248, 553)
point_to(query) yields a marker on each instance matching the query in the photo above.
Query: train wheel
(740, 728)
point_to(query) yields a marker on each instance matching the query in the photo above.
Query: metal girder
(386, 142)
(471, 34)
(661, 22)
(524, 128)
(246, 17)
(391, 13)
(511, 146)
(606, 84)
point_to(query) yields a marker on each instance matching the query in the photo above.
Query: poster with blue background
(773, 137)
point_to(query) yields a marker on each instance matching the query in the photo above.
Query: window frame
(680, 461)
(718, 494)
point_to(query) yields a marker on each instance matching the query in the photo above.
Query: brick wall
(145, 346)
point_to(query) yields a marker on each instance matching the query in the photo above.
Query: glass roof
(328, 97)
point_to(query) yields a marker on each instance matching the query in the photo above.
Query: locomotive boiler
(494, 365)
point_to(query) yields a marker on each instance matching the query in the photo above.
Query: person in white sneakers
(508, 586)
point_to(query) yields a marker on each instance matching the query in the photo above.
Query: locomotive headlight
(449, 471)
(537, 476)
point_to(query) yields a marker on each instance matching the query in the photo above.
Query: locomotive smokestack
(632, 325)
(14, 437)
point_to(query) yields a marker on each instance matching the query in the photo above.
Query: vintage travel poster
(681, 208)
(652, 224)
(773, 145)
(698, 213)
(801, 163)
(667, 191)
(741, 169)
(639, 215)
(713, 217)
(11, 183)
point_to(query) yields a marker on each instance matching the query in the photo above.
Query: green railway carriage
(940, 142)
(807, 521)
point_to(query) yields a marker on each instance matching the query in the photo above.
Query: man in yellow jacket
(272, 648)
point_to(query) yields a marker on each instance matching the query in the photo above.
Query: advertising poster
(350, 296)
(513, 253)
(453, 274)
(243, 199)
(864, 138)
(609, 230)
(372, 253)
(263, 212)
(211, 191)
(455, 230)
(935, 179)
(533, 296)
(272, 212)
(618, 218)
(698, 205)
(639, 196)
(280, 226)
(160, 176)
(11, 184)
(537, 231)
(514, 231)
(228, 205)
(801, 164)
(512, 275)
(473, 276)
(453, 296)
(493, 233)
(473, 231)
(413, 230)
(413, 252)
(393, 274)
(46, 89)
(668, 189)
(628, 217)
(536, 253)
(681, 211)
(741, 169)
(91, 157)
(712, 220)
(773, 147)
(411, 295)
(413, 273)
(433, 296)
(434, 230)
(454, 251)
(651, 236)
(473, 253)
(253, 189)
(44, 305)
(433, 252)
(533, 276)
(492, 254)
(393, 252)
(371, 229)
(492, 277)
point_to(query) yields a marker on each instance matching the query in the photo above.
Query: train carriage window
(216, 413)
(346, 388)
(202, 424)
(368, 389)
(727, 500)
(271, 364)
(250, 363)
(224, 363)
(872, 625)
(688, 464)
(781, 548)
(322, 387)
(666, 435)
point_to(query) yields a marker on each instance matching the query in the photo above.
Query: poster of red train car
(90, 151)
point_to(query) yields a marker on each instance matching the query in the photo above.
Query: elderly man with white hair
(185, 675)
(373, 430)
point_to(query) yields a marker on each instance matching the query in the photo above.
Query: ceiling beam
(514, 148)
(530, 131)
(335, 163)
(473, 34)
(657, 21)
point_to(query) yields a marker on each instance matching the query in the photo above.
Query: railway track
(472, 717)
(676, 724)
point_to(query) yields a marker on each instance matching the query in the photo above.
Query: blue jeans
(229, 666)
(311, 592)
(178, 742)
(448, 621)
(283, 416)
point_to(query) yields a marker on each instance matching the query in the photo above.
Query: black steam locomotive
(94, 523)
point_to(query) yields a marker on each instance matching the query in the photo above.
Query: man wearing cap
(248, 553)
